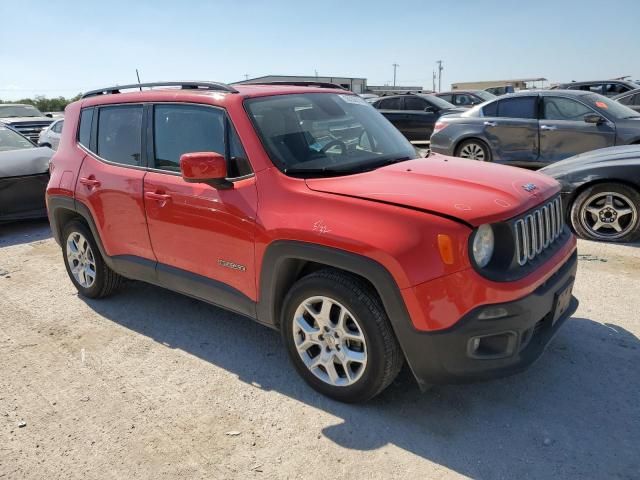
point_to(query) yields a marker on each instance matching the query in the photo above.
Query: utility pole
(316, 73)
(395, 65)
(434, 81)
(246, 76)
(440, 68)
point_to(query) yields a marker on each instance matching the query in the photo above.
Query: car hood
(28, 161)
(473, 192)
(594, 157)
(17, 120)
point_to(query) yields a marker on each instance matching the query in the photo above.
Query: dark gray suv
(536, 128)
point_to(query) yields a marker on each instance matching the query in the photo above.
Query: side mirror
(50, 115)
(205, 167)
(594, 118)
(430, 110)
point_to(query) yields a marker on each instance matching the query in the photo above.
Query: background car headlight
(483, 245)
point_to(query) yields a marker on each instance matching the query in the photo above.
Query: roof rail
(301, 83)
(216, 86)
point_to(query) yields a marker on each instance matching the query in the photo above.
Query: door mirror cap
(430, 110)
(594, 118)
(205, 167)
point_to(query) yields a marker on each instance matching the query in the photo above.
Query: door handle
(490, 124)
(90, 181)
(159, 197)
(548, 127)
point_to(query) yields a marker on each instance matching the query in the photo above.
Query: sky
(65, 47)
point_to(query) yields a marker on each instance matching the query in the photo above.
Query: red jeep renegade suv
(305, 209)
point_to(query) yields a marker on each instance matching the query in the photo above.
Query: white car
(50, 136)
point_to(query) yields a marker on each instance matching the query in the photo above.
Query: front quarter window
(325, 133)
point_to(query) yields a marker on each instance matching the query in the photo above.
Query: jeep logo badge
(529, 187)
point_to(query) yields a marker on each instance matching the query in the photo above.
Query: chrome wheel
(608, 215)
(472, 151)
(81, 261)
(330, 341)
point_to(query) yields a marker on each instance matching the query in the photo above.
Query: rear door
(194, 227)
(391, 108)
(563, 131)
(511, 129)
(111, 178)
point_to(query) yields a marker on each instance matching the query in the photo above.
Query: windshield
(8, 111)
(613, 108)
(484, 95)
(10, 140)
(326, 134)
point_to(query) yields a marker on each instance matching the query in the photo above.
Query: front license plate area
(563, 300)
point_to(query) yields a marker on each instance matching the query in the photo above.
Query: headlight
(483, 244)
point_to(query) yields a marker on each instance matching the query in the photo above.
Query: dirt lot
(150, 384)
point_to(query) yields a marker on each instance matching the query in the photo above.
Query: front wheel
(607, 212)
(339, 338)
(474, 150)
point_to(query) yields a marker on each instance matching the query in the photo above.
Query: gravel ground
(150, 384)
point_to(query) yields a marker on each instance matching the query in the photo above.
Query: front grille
(538, 230)
(31, 130)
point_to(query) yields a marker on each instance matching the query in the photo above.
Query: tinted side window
(119, 134)
(389, 104)
(465, 100)
(519, 107)
(490, 110)
(628, 100)
(557, 108)
(182, 129)
(84, 132)
(414, 103)
(447, 98)
(613, 89)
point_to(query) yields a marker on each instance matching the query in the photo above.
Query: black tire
(106, 281)
(486, 151)
(384, 357)
(583, 222)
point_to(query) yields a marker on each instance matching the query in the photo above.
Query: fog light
(497, 345)
(493, 312)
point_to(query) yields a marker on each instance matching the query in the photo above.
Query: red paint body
(163, 218)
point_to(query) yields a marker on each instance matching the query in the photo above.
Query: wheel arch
(599, 181)
(460, 141)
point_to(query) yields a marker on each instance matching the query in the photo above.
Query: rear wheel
(91, 276)
(338, 336)
(607, 212)
(474, 150)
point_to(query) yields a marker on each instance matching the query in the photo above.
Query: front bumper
(479, 347)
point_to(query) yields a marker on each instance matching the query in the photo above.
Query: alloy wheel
(81, 260)
(473, 151)
(608, 215)
(330, 341)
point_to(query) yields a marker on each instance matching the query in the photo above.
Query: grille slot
(538, 230)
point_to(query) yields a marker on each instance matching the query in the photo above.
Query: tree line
(44, 104)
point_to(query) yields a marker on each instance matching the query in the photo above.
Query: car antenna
(138, 75)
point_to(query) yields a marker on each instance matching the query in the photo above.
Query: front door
(194, 227)
(563, 131)
(418, 120)
(111, 178)
(512, 133)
